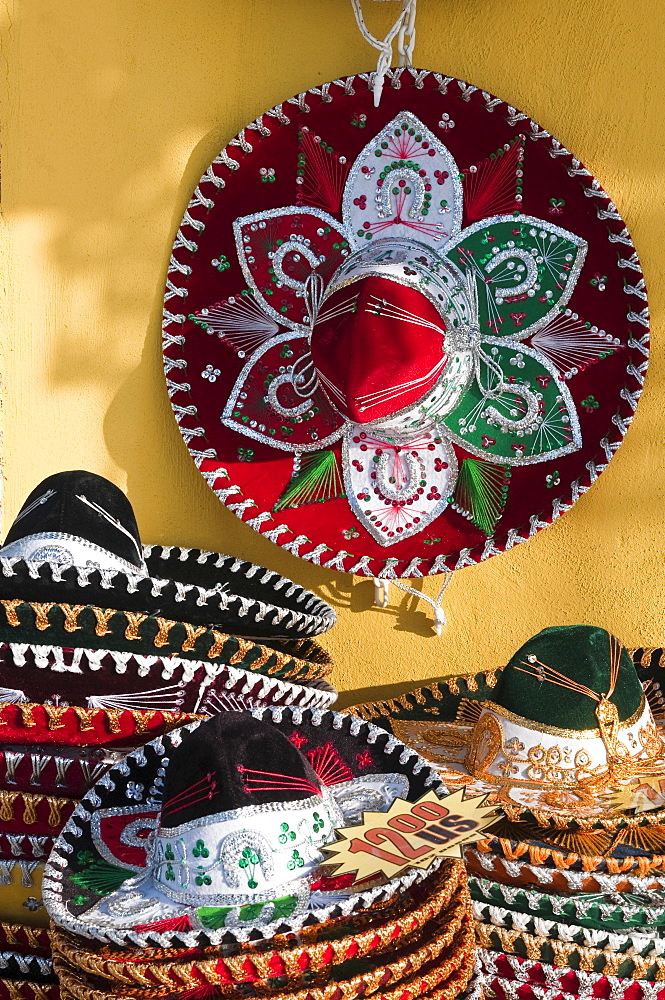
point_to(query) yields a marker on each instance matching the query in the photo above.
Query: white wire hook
(404, 29)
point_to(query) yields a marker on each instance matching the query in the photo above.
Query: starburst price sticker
(410, 834)
(643, 794)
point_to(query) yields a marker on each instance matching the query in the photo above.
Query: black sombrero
(75, 541)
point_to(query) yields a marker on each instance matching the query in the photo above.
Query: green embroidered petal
(517, 412)
(252, 911)
(526, 270)
(101, 877)
(213, 917)
(284, 907)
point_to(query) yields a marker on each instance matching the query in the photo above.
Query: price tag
(410, 834)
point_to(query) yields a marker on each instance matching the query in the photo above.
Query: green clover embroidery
(203, 880)
(286, 834)
(296, 861)
(200, 851)
(249, 859)
(318, 823)
(168, 854)
(170, 874)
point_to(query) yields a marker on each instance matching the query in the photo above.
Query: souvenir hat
(357, 767)
(424, 946)
(75, 541)
(401, 339)
(566, 722)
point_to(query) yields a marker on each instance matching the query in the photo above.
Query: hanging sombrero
(399, 340)
(75, 541)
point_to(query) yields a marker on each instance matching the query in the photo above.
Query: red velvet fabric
(377, 363)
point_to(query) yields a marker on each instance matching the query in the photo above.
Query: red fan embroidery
(182, 923)
(490, 187)
(322, 173)
(328, 765)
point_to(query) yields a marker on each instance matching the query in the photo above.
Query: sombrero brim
(203, 588)
(621, 912)
(92, 627)
(512, 973)
(115, 679)
(492, 921)
(363, 751)
(445, 745)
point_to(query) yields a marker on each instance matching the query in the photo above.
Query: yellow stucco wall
(111, 111)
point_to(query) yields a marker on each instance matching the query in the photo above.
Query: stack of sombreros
(105, 644)
(569, 887)
(211, 881)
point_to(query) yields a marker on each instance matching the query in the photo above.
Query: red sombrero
(401, 339)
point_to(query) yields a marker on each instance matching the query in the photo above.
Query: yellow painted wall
(111, 110)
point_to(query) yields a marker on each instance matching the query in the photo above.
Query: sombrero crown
(569, 710)
(77, 518)
(394, 325)
(243, 812)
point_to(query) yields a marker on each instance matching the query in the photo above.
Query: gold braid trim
(7, 800)
(647, 653)
(10, 611)
(28, 989)
(102, 617)
(41, 614)
(55, 807)
(563, 951)
(539, 856)
(55, 714)
(86, 717)
(162, 637)
(30, 804)
(134, 621)
(193, 633)
(71, 613)
(26, 714)
(219, 643)
(451, 899)
(244, 647)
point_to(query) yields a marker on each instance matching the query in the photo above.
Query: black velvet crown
(82, 505)
(231, 761)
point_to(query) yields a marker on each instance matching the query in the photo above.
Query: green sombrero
(565, 726)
